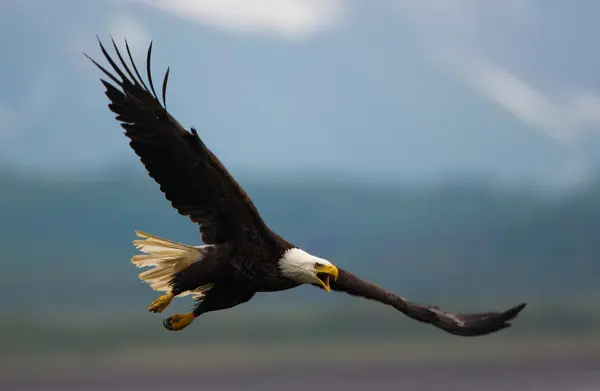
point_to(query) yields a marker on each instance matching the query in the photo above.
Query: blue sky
(401, 89)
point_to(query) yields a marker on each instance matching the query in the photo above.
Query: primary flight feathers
(241, 255)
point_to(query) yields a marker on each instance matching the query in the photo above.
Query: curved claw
(167, 324)
(178, 322)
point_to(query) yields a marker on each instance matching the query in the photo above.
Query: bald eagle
(240, 254)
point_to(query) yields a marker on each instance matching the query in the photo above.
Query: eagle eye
(318, 265)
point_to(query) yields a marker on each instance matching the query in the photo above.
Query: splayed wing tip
(512, 313)
(491, 324)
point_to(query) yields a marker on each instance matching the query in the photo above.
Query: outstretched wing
(189, 174)
(458, 324)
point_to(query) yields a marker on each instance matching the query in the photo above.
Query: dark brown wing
(458, 324)
(189, 174)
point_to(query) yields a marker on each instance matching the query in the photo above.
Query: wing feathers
(148, 70)
(139, 80)
(188, 173)
(454, 323)
(164, 87)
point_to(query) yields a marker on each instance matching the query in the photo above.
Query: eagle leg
(178, 322)
(161, 303)
(223, 296)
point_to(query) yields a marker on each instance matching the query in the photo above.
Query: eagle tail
(166, 258)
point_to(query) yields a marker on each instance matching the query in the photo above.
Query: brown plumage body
(241, 256)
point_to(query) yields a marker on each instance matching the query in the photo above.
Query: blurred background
(447, 150)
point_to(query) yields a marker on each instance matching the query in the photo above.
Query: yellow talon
(161, 303)
(178, 322)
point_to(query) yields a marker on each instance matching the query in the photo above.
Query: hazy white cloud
(123, 26)
(463, 14)
(562, 117)
(460, 35)
(292, 19)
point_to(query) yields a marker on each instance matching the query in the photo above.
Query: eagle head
(305, 268)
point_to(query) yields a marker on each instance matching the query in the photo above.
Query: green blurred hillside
(462, 245)
(459, 238)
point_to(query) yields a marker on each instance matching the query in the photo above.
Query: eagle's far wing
(189, 174)
(454, 323)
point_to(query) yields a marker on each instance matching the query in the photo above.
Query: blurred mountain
(68, 243)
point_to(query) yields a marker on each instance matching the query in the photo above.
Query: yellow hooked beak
(323, 274)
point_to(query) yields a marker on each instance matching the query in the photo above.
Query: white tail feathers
(166, 259)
